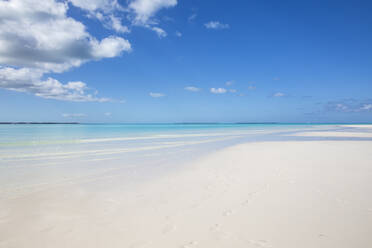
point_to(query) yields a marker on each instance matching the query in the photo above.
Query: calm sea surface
(34, 158)
(35, 134)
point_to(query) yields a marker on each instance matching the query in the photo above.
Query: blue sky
(185, 61)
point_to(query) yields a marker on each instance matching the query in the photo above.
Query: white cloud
(192, 88)
(104, 11)
(160, 32)
(216, 25)
(142, 13)
(109, 47)
(156, 95)
(218, 90)
(366, 107)
(137, 12)
(29, 81)
(349, 106)
(232, 90)
(94, 5)
(72, 115)
(178, 34)
(146, 9)
(276, 78)
(108, 114)
(40, 34)
(229, 83)
(341, 107)
(37, 37)
(251, 87)
(116, 24)
(278, 94)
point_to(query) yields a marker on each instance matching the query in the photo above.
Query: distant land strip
(222, 123)
(22, 122)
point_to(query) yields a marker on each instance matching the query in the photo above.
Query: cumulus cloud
(229, 83)
(251, 87)
(109, 47)
(72, 115)
(37, 37)
(216, 25)
(192, 88)
(218, 90)
(144, 10)
(178, 34)
(137, 13)
(232, 90)
(142, 13)
(103, 10)
(116, 24)
(29, 81)
(95, 5)
(156, 95)
(39, 34)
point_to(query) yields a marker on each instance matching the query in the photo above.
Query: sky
(131, 61)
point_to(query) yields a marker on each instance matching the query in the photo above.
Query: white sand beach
(336, 134)
(359, 126)
(279, 194)
(185, 124)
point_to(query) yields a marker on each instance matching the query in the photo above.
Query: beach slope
(263, 194)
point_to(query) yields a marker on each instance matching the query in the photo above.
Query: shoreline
(258, 194)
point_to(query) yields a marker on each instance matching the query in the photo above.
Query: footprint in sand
(190, 244)
(246, 202)
(228, 212)
(260, 243)
(252, 195)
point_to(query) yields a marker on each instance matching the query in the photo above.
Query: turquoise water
(64, 133)
(37, 157)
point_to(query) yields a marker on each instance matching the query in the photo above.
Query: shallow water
(37, 157)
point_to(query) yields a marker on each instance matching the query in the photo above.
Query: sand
(284, 194)
(335, 134)
(359, 126)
